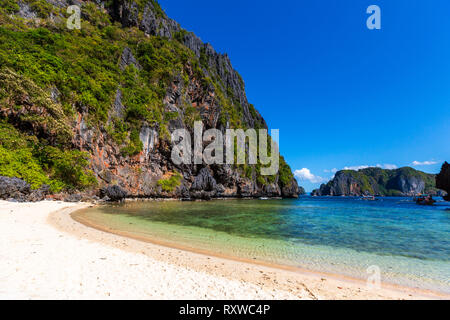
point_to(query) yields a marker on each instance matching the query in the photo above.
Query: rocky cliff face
(155, 78)
(443, 180)
(301, 191)
(376, 181)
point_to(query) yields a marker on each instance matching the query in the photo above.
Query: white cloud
(334, 170)
(355, 168)
(387, 166)
(382, 166)
(306, 175)
(425, 163)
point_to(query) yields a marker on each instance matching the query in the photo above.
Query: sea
(405, 243)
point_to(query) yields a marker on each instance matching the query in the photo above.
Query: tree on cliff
(443, 180)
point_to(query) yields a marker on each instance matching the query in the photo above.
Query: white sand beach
(45, 254)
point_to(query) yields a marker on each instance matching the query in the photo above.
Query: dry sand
(45, 254)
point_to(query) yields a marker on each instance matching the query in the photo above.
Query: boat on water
(425, 200)
(369, 198)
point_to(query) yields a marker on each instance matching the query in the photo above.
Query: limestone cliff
(94, 108)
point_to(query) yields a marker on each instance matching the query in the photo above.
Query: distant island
(380, 182)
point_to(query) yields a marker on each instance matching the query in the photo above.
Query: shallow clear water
(409, 243)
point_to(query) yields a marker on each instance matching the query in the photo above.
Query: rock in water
(301, 191)
(291, 190)
(75, 197)
(204, 186)
(204, 181)
(114, 193)
(14, 188)
(39, 194)
(443, 180)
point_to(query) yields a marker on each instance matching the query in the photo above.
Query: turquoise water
(409, 243)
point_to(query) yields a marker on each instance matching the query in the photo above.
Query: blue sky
(342, 95)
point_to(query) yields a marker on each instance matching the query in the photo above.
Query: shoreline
(103, 265)
(287, 272)
(39, 261)
(294, 271)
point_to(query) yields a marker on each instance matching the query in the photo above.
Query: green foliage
(67, 167)
(142, 101)
(159, 11)
(9, 6)
(252, 111)
(191, 115)
(41, 7)
(171, 183)
(386, 181)
(231, 114)
(113, 33)
(118, 130)
(143, 90)
(366, 182)
(83, 65)
(97, 18)
(42, 115)
(261, 181)
(429, 179)
(285, 173)
(248, 171)
(162, 60)
(241, 81)
(21, 164)
(27, 158)
(134, 145)
(179, 36)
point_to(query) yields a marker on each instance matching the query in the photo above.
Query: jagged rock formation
(127, 59)
(113, 193)
(380, 182)
(301, 191)
(443, 180)
(19, 190)
(113, 96)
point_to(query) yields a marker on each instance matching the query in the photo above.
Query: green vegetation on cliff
(169, 184)
(37, 163)
(82, 65)
(57, 84)
(376, 181)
